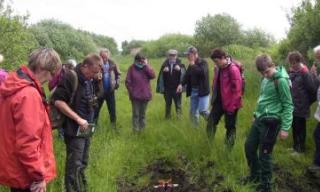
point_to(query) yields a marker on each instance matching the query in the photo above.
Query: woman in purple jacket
(138, 84)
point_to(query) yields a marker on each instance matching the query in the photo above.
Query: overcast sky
(149, 19)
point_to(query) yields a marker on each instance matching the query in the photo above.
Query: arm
(309, 82)
(128, 81)
(149, 71)
(66, 110)
(287, 105)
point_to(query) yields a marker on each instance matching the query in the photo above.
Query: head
(219, 57)
(172, 54)
(191, 53)
(44, 63)
(91, 66)
(105, 54)
(70, 64)
(316, 51)
(139, 58)
(1, 58)
(265, 65)
(295, 59)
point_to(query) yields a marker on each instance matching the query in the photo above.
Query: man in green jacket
(273, 116)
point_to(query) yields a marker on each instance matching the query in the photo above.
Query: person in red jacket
(27, 160)
(226, 96)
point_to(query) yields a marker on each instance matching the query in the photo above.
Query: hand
(39, 186)
(83, 124)
(283, 134)
(179, 88)
(166, 69)
(177, 68)
(191, 62)
(313, 69)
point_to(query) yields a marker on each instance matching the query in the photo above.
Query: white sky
(149, 19)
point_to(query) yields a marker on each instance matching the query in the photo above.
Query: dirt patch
(287, 182)
(186, 177)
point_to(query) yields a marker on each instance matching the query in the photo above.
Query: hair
(105, 50)
(92, 59)
(44, 58)
(218, 54)
(316, 49)
(295, 57)
(263, 62)
(139, 57)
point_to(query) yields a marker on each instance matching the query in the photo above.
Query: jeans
(198, 106)
(76, 163)
(138, 114)
(109, 97)
(262, 138)
(316, 136)
(176, 97)
(299, 133)
(230, 123)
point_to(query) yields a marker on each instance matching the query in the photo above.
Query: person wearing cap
(170, 76)
(197, 81)
(138, 84)
(110, 82)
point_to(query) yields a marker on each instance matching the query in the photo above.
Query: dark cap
(139, 57)
(191, 50)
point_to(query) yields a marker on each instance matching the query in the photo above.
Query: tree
(304, 29)
(216, 31)
(159, 48)
(257, 38)
(16, 40)
(128, 46)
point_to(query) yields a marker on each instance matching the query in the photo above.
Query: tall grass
(124, 154)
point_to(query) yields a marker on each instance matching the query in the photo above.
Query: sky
(150, 19)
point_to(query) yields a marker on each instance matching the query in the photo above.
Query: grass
(125, 154)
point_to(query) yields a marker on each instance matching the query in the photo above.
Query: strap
(75, 83)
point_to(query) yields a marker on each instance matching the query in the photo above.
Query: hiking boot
(262, 188)
(249, 180)
(314, 170)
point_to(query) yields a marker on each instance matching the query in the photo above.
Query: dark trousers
(316, 135)
(299, 133)
(176, 97)
(76, 163)
(138, 114)
(262, 138)
(230, 123)
(111, 105)
(20, 190)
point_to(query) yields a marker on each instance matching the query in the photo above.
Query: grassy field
(123, 161)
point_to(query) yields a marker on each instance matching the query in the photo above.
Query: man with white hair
(170, 76)
(110, 82)
(315, 69)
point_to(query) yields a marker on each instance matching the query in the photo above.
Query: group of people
(78, 92)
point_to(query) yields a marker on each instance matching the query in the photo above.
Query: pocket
(269, 136)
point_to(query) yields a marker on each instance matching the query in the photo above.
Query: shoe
(249, 180)
(314, 169)
(261, 188)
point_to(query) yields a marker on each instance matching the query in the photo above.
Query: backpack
(56, 116)
(241, 69)
(3, 75)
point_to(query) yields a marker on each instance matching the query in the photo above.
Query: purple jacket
(138, 82)
(230, 87)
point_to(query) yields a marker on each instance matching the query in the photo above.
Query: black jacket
(84, 102)
(197, 76)
(303, 87)
(169, 81)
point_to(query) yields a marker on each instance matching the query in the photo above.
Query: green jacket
(275, 98)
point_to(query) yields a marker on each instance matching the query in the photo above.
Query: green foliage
(128, 46)
(304, 31)
(16, 40)
(159, 48)
(102, 41)
(67, 41)
(216, 31)
(257, 38)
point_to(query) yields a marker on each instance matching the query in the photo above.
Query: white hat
(172, 52)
